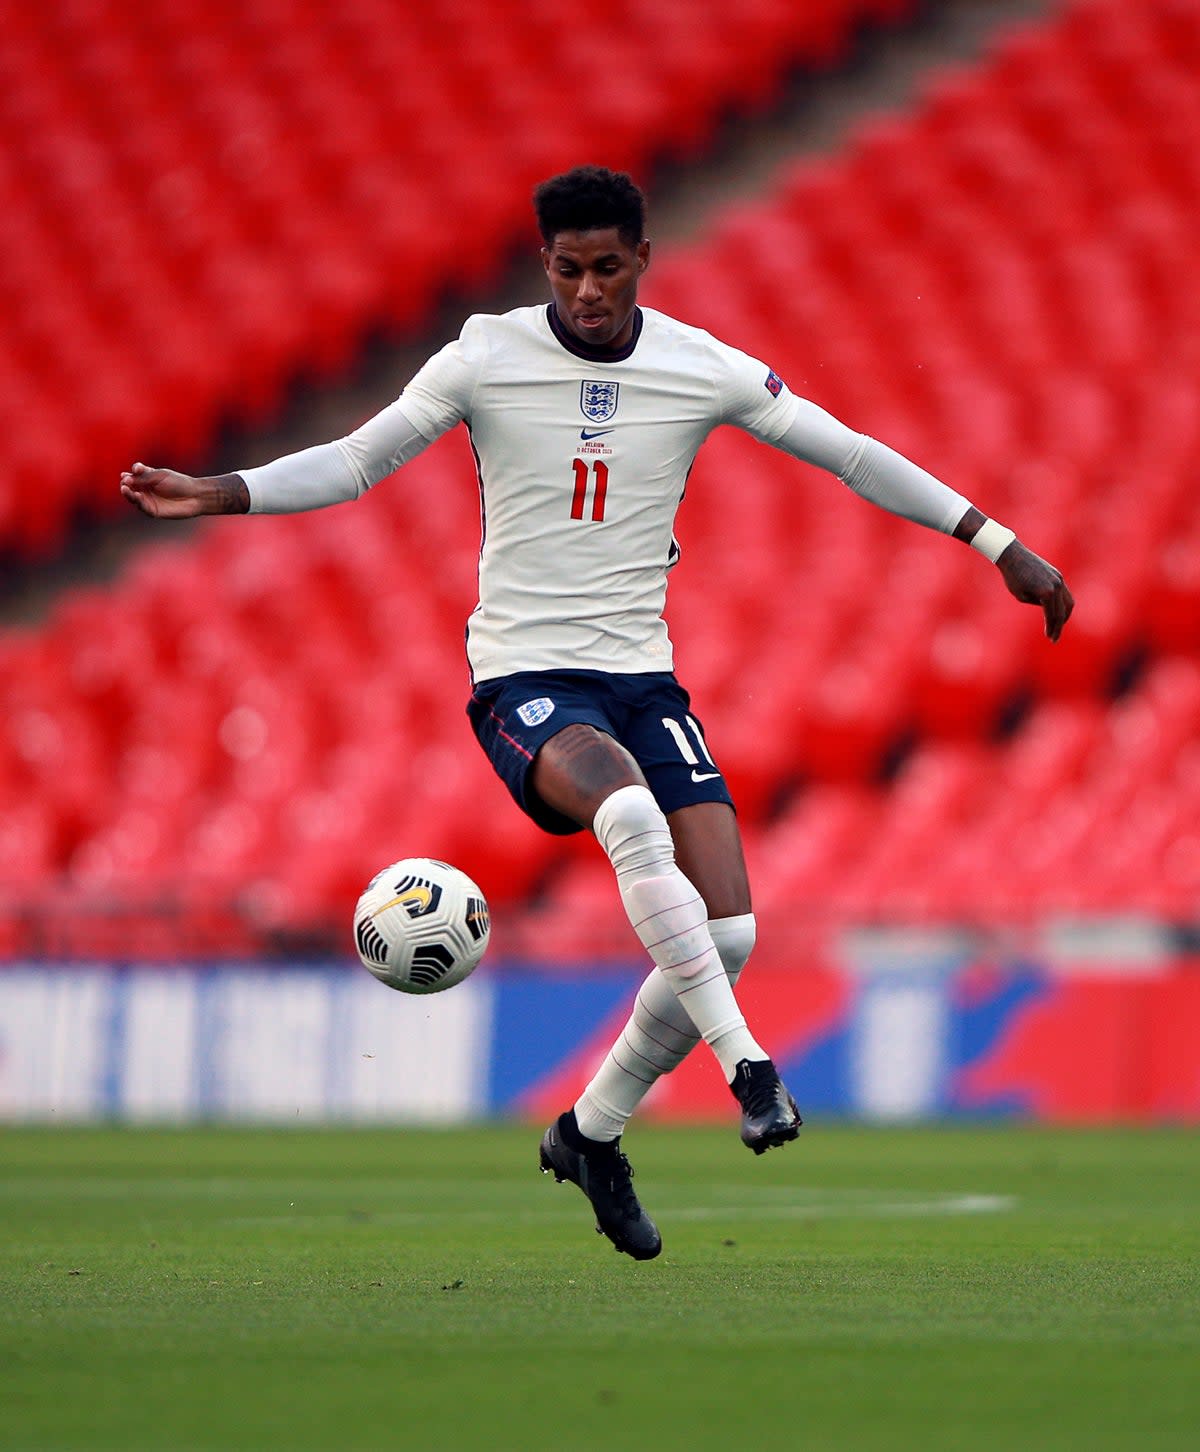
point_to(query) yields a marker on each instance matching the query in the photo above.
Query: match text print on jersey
(685, 747)
(599, 492)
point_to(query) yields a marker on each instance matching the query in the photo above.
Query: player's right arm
(166, 494)
(311, 479)
(333, 473)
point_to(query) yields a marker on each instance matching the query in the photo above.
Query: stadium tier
(203, 203)
(1002, 285)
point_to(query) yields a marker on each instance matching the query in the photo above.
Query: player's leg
(669, 745)
(552, 742)
(656, 1038)
(708, 849)
(708, 846)
(513, 720)
(581, 771)
(659, 1033)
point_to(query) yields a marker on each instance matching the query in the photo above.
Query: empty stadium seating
(202, 204)
(1003, 285)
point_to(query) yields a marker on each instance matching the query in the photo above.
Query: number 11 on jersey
(599, 494)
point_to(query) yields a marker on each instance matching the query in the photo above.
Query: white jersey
(583, 458)
(582, 464)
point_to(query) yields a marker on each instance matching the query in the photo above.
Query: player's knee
(733, 939)
(632, 829)
(578, 768)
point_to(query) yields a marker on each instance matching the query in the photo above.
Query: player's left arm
(1031, 579)
(896, 484)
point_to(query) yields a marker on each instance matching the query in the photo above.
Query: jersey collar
(593, 355)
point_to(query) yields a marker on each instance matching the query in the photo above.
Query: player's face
(594, 278)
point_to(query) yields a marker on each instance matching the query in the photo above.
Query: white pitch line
(893, 1209)
(886, 1209)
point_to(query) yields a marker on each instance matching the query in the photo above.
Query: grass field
(925, 1289)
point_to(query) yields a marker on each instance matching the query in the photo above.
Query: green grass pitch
(980, 1288)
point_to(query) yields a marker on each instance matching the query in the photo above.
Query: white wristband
(992, 539)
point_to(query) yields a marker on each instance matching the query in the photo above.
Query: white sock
(670, 918)
(658, 1036)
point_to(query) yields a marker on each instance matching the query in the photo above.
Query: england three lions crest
(598, 400)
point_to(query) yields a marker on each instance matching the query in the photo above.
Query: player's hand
(162, 493)
(1034, 581)
(165, 494)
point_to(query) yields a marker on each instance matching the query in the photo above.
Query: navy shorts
(650, 715)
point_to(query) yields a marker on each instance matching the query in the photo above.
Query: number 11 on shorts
(685, 746)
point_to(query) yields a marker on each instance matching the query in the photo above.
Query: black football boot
(769, 1113)
(606, 1177)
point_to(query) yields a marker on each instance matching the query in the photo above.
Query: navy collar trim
(593, 355)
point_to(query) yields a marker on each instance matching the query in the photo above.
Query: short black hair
(588, 197)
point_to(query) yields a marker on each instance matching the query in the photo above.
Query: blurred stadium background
(971, 229)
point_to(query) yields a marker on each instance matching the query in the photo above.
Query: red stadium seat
(1001, 285)
(199, 207)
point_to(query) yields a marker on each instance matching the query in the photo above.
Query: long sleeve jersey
(582, 461)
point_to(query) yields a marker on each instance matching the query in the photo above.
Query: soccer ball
(421, 925)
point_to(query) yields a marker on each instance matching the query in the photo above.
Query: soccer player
(585, 415)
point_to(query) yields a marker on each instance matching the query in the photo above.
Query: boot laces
(619, 1173)
(760, 1091)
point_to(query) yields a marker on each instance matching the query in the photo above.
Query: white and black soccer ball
(421, 925)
